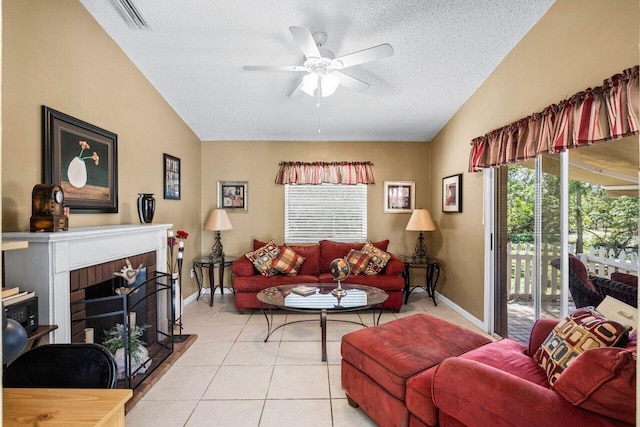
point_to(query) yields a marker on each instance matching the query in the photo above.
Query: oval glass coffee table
(317, 298)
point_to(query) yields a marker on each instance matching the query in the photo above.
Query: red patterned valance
(325, 172)
(604, 113)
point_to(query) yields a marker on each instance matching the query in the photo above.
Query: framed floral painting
(83, 159)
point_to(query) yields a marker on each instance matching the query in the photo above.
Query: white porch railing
(599, 262)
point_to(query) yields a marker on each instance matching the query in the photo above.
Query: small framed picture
(452, 193)
(233, 195)
(171, 177)
(399, 196)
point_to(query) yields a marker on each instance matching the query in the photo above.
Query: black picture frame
(83, 159)
(233, 196)
(171, 182)
(452, 193)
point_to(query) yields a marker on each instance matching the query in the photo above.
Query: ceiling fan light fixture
(330, 83)
(309, 83)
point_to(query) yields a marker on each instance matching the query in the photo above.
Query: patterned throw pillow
(261, 258)
(379, 259)
(287, 262)
(582, 330)
(358, 261)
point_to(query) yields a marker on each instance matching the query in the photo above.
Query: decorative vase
(143, 362)
(146, 207)
(77, 172)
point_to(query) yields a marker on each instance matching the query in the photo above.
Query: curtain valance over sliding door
(325, 172)
(604, 113)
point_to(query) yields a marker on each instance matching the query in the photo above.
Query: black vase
(146, 207)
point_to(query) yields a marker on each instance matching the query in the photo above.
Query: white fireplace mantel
(45, 265)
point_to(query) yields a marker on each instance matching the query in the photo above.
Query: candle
(132, 318)
(181, 244)
(88, 335)
(170, 233)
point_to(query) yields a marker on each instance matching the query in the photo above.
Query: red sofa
(423, 371)
(247, 282)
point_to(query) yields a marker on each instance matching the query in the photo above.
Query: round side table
(211, 264)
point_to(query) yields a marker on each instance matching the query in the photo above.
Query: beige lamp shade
(218, 220)
(420, 221)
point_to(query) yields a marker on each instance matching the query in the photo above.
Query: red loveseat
(423, 371)
(501, 385)
(247, 281)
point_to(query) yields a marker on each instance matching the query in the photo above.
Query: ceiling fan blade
(305, 40)
(297, 92)
(353, 83)
(366, 55)
(274, 67)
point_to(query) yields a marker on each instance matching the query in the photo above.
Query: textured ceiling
(194, 53)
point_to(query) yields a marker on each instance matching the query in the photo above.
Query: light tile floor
(230, 377)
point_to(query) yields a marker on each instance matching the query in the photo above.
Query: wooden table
(64, 406)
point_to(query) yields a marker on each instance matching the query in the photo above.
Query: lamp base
(216, 249)
(421, 249)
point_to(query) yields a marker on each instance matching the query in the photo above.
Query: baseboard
(194, 296)
(462, 312)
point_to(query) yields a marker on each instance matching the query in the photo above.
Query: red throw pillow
(602, 380)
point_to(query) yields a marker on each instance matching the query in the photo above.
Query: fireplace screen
(125, 318)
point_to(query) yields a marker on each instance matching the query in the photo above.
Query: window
(326, 211)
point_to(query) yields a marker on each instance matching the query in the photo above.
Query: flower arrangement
(85, 146)
(177, 240)
(77, 169)
(115, 339)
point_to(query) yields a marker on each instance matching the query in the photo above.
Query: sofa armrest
(540, 331)
(481, 395)
(243, 267)
(394, 267)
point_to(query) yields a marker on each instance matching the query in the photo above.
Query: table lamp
(218, 220)
(420, 221)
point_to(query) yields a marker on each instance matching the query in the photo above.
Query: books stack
(304, 290)
(13, 295)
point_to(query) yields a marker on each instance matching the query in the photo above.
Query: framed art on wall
(452, 193)
(171, 181)
(83, 160)
(233, 195)
(399, 196)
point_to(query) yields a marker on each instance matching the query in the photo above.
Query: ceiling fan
(324, 70)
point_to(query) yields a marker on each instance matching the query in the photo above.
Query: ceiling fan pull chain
(318, 94)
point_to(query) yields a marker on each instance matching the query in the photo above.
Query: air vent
(130, 14)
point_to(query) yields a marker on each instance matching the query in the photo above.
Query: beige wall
(257, 162)
(55, 54)
(575, 45)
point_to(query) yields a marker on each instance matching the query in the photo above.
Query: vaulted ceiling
(193, 53)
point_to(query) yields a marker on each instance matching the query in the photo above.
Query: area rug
(179, 347)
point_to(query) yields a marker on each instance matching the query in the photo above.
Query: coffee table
(320, 300)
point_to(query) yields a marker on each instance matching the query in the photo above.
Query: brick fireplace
(83, 280)
(60, 266)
